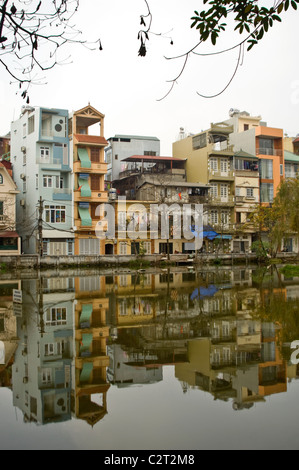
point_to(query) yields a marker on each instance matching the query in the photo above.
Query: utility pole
(40, 226)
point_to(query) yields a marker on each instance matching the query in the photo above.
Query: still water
(170, 359)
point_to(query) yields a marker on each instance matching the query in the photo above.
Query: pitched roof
(291, 157)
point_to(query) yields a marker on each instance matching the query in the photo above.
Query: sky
(129, 89)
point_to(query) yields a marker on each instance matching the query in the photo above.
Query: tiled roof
(91, 139)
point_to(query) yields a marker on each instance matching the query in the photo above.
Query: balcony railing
(215, 174)
(222, 200)
(267, 151)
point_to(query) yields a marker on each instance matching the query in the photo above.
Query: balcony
(269, 151)
(221, 175)
(228, 201)
(62, 194)
(100, 168)
(95, 196)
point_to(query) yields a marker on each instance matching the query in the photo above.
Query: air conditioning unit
(22, 202)
(22, 176)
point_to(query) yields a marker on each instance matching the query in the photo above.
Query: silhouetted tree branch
(31, 33)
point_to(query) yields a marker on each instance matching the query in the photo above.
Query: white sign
(17, 296)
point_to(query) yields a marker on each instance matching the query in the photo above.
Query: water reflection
(226, 332)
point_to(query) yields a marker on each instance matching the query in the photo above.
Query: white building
(124, 146)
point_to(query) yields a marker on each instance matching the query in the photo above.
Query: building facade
(87, 150)
(43, 173)
(123, 146)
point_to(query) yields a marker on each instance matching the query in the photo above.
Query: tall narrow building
(89, 168)
(42, 171)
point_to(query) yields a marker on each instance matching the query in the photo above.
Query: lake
(176, 358)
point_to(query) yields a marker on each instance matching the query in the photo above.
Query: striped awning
(84, 158)
(85, 315)
(86, 220)
(86, 372)
(84, 187)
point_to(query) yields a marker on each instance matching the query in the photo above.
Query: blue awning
(225, 237)
(204, 292)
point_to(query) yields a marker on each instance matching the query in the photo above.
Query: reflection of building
(42, 380)
(91, 359)
(8, 330)
(132, 367)
(237, 356)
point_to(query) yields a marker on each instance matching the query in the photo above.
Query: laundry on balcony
(85, 316)
(85, 217)
(84, 158)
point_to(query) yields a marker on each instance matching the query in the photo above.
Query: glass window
(213, 164)
(266, 192)
(266, 146)
(55, 214)
(266, 169)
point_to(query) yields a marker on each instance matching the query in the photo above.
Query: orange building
(89, 178)
(270, 151)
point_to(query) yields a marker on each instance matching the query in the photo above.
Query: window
(223, 165)
(214, 217)
(223, 190)
(95, 155)
(46, 376)
(55, 214)
(24, 130)
(24, 186)
(30, 124)
(150, 153)
(47, 181)
(224, 217)
(266, 169)
(266, 146)
(213, 164)
(214, 190)
(36, 181)
(49, 349)
(238, 191)
(44, 153)
(266, 192)
(24, 158)
(50, 181)
(56, 316)
(249, 192)
(70, 245)
(1, 179)
(116, 157)
(246, 127)
(122, 248)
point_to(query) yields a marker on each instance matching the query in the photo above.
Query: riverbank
(37, 263)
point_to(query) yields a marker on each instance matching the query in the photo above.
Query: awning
(9, 234)
(84, 187)
(86, 372)
(225, 237)
(85, 315)
(204, 292)
(86, 342)
(85, 217)
(84, 158)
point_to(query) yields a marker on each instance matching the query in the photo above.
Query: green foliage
(251, 18)
(261, 249)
